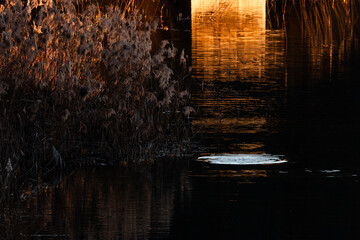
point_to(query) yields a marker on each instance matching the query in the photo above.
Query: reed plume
(84, 87)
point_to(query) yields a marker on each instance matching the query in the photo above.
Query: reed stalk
(84, 87)
(321, 21)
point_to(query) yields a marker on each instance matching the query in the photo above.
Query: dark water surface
(257, 92)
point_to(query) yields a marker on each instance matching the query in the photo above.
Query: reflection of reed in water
(326, 21)
(228, 38)
(323, 21)
(240, 67)
(329, 28)
(242, 176)
(112, 204)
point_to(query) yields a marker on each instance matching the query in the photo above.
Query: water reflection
(256, 93)
(239, 66)
(109, 203)
(228, 38)
(239, 176)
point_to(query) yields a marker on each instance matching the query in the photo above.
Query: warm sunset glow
(233, 55)
(229, 125)
(222, 31)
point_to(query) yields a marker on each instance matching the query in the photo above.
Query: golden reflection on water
(239, 65)
(241, 176)
(229, 125)
(109, 203)
(228, 37)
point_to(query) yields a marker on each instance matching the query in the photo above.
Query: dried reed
(322, 21)
(79, 87)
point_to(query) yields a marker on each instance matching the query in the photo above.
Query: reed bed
(84, 87)
(330, 21)
(321, 21)
(329, 28)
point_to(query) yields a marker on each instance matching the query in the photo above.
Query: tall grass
(329, 28)
(329, 20)
(321, 21)
(148, 9)
(83, 87)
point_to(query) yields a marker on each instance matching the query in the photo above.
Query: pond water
(260, 94)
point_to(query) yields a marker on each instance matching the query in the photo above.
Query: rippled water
(190, 200)
(265, 91)
(257, 92)
(239, 66)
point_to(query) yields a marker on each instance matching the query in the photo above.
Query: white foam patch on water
(243, 159)
(330, 171)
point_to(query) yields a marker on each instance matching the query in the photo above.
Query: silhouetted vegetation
(329, 28)
(82, 88)
(321, 21)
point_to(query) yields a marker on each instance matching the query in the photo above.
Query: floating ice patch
(329, 171)
(243, 159)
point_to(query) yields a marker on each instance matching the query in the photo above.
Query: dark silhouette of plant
(83, 88)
